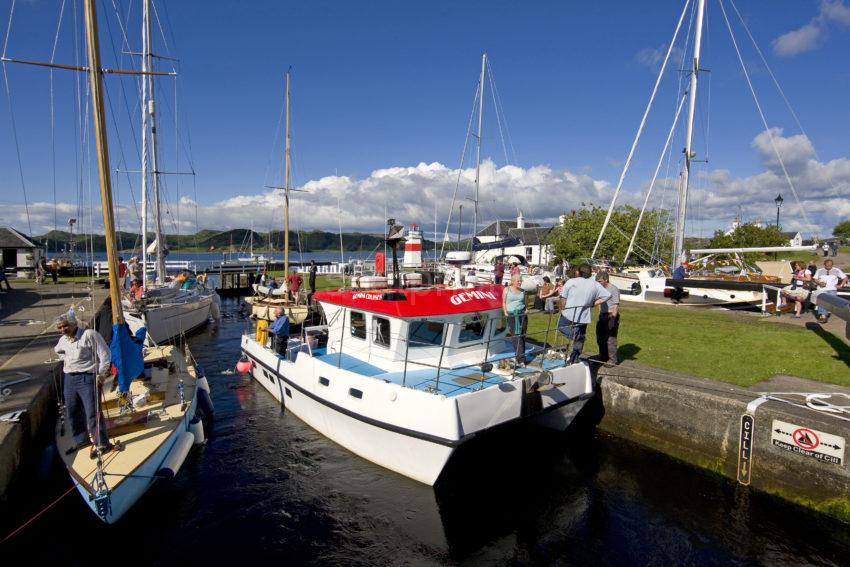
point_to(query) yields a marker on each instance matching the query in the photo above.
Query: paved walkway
(27, 337)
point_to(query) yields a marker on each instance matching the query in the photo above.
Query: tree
(842, 230)
(749, 236)
(574, 240)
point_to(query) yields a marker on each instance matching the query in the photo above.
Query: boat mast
(144, 110)
(681, 210)
(286, 188)
(98, 117)
(478, 149)
(150, 107)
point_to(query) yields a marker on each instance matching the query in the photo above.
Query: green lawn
(738, 348)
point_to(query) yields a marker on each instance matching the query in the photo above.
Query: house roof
(790, 234)
(504, 226)
(530, 236)
(11, 238)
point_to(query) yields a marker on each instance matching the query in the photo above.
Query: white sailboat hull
(125, 495)
(168, 321)
(642, 287)
(409, 431)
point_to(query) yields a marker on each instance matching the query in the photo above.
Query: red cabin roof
(435, 301)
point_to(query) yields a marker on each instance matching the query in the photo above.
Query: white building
(19, 253)
(794, 238)
(514, 237)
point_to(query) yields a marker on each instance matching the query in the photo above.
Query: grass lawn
(738, 348)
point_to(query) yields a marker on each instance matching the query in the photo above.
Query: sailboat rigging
(267, 299)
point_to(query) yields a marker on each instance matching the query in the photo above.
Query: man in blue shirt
(680, 273)
(578, 297)
(280, 331)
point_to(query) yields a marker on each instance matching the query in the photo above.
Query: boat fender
(196, 427)
(205, 402)
(202, 381)
(172, 463)
(215, 307)
(244, 366)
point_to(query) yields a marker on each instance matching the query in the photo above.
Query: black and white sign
(798, 439)
(745, 449)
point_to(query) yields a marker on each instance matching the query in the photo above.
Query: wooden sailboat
(151, 438)
(265, 301)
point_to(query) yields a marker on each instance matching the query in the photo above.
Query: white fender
(172, 463)
(196, 427)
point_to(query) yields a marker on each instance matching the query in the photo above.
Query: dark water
(267, 488)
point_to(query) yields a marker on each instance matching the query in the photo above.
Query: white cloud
(653, 57)
(808, 37)
(541, 192)
(800, 40)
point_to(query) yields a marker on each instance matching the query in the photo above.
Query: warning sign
(808, 442)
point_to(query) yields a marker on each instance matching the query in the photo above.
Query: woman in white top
(797, 292)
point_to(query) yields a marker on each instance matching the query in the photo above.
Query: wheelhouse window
(358, 324)
(472, 327)
(425, 333)
(381, 331)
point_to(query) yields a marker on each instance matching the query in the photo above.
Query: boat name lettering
(470, 295)
(372, 296)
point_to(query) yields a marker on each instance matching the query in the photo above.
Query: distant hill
(213, 240)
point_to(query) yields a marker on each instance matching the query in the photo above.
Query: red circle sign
(806, 439)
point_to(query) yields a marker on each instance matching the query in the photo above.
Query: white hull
(170, 320)
(131, 489)
(642, 287)
(406, 430)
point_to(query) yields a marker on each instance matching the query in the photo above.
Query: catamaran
(151, 415)
(652, 283)
(404, 375)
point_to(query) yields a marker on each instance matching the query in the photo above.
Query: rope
(654, 177)
(762, 116)
(459, 173)
(640, 130)
(780, 89)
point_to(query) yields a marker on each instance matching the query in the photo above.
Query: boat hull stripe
(389, 426)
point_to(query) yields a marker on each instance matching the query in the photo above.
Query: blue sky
(381, 87)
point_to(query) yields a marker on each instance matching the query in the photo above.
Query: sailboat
(266, 300)
(653, 283)
(476, 266)
(167, 311)
(151, 416)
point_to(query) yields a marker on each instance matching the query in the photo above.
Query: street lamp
(779, 200)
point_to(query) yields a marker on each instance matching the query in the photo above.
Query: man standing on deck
(295, 282)
(498, 272)
(609, 322)
(578, 297)
(86, 363)
(312, 279)
(280, 331)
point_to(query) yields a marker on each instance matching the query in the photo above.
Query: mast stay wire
(53, 117)
(781, 91)
(502, 134)
(459, 171)
(762, 116)
(640, 130)
(12, 121)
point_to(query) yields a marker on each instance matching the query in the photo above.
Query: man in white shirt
(578, 297)
(86, 363)
(829, 279)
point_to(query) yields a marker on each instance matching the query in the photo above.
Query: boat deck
(141, 432)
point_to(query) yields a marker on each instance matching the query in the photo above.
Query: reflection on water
(268, 487)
